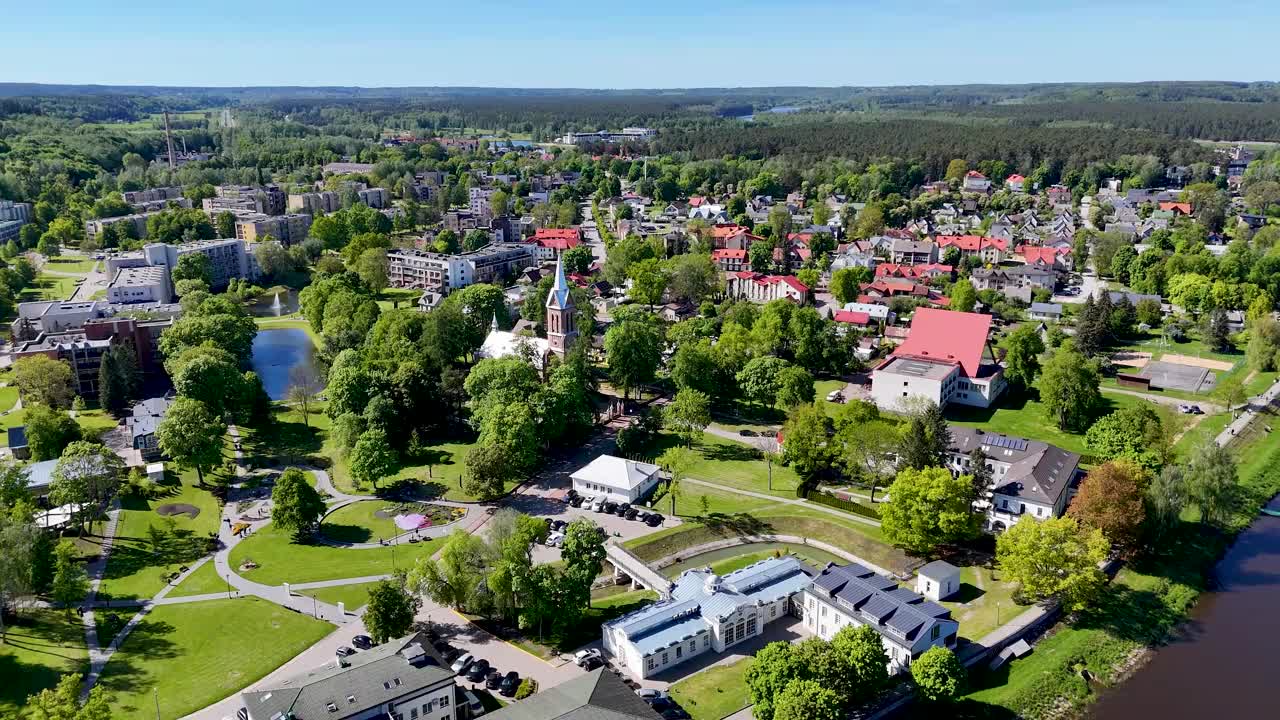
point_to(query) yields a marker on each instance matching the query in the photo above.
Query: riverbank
(1146, 606)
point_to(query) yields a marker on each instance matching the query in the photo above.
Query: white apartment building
(148, 284)
(941, 361)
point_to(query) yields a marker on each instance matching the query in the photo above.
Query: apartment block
(94, 228)
(228, 258)
(315, 203)
(135, 197)
(289, 229)
(442, 273)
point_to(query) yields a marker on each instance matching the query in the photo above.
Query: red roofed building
(1016, 183)
(761, 288)
(845, 319)
(730, 260)
(732, 237)
(992, 250)
(924, 271)
(941, 361)
(553, 241)
(975, 181)
(1178, 207)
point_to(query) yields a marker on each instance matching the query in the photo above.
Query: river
(1222, 666)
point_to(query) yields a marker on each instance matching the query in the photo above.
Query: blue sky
(645, 43)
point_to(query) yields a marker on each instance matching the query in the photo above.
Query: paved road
(1253, 408)
(1090, 286)
(1210, 408)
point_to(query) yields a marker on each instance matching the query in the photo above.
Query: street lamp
(227, 577)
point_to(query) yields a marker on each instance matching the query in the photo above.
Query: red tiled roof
(1015, 179)
(852, 317)
(696, 201)
(725, 254)
(1182, 207)
(727, 231)
(763, 279)
(972, 243)
(557, 238)
(1034, 253)
(975, 174)
(947, 336)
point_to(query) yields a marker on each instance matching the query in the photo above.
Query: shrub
(852, 506)
(528, 686)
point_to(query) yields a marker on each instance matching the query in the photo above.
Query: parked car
(582, 656)
(462, 662)
(661, 703)
(569, 496)
(631, 514)
(478, 670)
(558, 525)
(654, 520)
(744, 432)
(475, 708)
(597, 505)
(493, 679)
(622, 509)
(344, 651)
(555, 539)
(609, 508)
(510, 684)
(362, 642)
(651, 694)
(592, 663)
(576, 501)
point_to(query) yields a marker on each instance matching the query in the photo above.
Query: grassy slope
(354, 596)
(281, 560)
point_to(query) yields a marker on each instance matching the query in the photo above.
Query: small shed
(155, 472)
(938, 580)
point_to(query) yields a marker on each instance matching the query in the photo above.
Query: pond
(275, 304)
(276, 352)
(728, 559)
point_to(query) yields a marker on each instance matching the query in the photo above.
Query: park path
(1210, 408)
(1253, 407)
(785, 501)
(96, 570)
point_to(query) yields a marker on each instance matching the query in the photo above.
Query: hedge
(851, 506)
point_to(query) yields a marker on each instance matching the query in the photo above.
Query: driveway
(1090, 286)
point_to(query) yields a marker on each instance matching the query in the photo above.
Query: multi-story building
(551, 242)
(760, 288)
(912, 252)
(269, 199)
(149, 284)
(852, 595)
(143, 421)
(163, 194)
(376, 198)
(148, 206)
(478, 200)
(75, 348)
(403, 679)
(940, 361)
(705, 613)
(288, 229)
(315, 203)
(1029, 478)
(730, 261)
(94, 228)
(443, 273)
(228, 258)
(12, 217)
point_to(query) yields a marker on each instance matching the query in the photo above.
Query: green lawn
(196, 654)
(725, 561)
(983, 602)
(714, 693)
(353, 596)
(1259, 383)
(71, 264)
(8, 397)
(357, 523)
(735, 464)
(94, 422)
(134, 571)
(39, 647)
(203, 581)
(48, 287)
(723, 502)
(391, 298)
(281, 560)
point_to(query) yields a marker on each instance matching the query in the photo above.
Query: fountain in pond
(275, 305)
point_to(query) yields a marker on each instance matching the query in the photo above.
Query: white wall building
(940, 361)
(908, 624)
(706, 613)
(618, 479)
(1028, 477)
(140, 285)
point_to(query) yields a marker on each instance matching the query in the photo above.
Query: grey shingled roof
(1038, 471)
(598, 695)
(893, 611)
(374, 677)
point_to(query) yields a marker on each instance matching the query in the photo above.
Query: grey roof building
(1028, 476)
(598, 695)
(399, 680)
(908, 624)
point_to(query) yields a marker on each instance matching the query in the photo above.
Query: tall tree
(926, 441)
(688, 415)
(795, 387)
(633, 351)
(1132, 433)
(118, 379)
(963, 296)
(372, 458)
(390, 610)
(938, 674)
(70, 582)
(192, 436)
(775, 667)
(296, 506)
(44, 381)
(49, 432)
(455, 577)
(1069, 389)
(1112, 499)
(805, 442)
(676, 462)
(1214, 486)
(19, 543)
(87, 474)
(1022, 359)
(582, 552)
(928, 508)
(807, 700)
(1054, 557)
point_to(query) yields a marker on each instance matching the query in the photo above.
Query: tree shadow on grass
(280, 441)
(729, 452)
(961, 710)
(56, 638)
(736, 524)
(346, 533)
(148, 640)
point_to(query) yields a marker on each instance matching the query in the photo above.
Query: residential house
(1015, 183)
(1059, 195)
(142, 423)
(913, 252)
(730, 261)
(1047, 312)
(852, 596)
(926, 272)
(551, 242)
(975, 181)
(989, 249)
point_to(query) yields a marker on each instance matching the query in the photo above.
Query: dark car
(569, 496)
(447, 651)
(493, 680)
(609, 508)
(478, 670)
(592, 662)
(622, 509)
(631, 513)
(362, 642)
(654, 520)
(576, 501)
(510, 684)
(659, 704)
(558, 525)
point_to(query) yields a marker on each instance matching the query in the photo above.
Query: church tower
(561, 331)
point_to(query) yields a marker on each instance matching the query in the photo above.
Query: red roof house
(947, 336)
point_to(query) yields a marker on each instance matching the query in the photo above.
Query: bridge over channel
(626, 563)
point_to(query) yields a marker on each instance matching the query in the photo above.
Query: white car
(598, 504)
(462, 662)
(555, 539)
(582, 657)
(651, 694)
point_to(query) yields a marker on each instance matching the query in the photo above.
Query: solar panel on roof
(1004, 441)
(905, 620)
